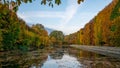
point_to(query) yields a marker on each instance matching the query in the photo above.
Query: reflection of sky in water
(66, 62)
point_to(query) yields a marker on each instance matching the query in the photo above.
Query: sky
(68, 17)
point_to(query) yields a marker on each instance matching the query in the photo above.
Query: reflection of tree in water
(93, 60)
(22, 61)
(57, 54)
(10, 64)
(36, 59)
(57, 60)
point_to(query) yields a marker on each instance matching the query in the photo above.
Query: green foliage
(0, 40)
(58, 35)
(43, 2)
(9, 26)
(112, 28)
(57, 2)
(15, 8)
(15, 34)
(23, 48)
(99, 36)
(116, 11)
(115, 37)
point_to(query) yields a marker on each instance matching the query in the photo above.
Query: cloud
(43, 14)
(65, 15)
(70, 12)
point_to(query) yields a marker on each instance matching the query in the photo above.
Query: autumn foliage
(16, 34)
(103, 29)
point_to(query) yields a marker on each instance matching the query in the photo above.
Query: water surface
(58, 58)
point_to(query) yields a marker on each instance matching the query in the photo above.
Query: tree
(14, 4)
(115, 36)
(42, 38)
(101, 30)
(116, 11)
(72, 38)
(0, 40)
(9, 27)
(57, 37)
(50, 2)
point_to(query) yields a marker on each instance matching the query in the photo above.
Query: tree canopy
(57, 37)
(43, 2)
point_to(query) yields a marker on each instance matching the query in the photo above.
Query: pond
(57, 58)
(66, 61)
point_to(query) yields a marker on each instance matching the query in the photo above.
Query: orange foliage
(98, 30)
